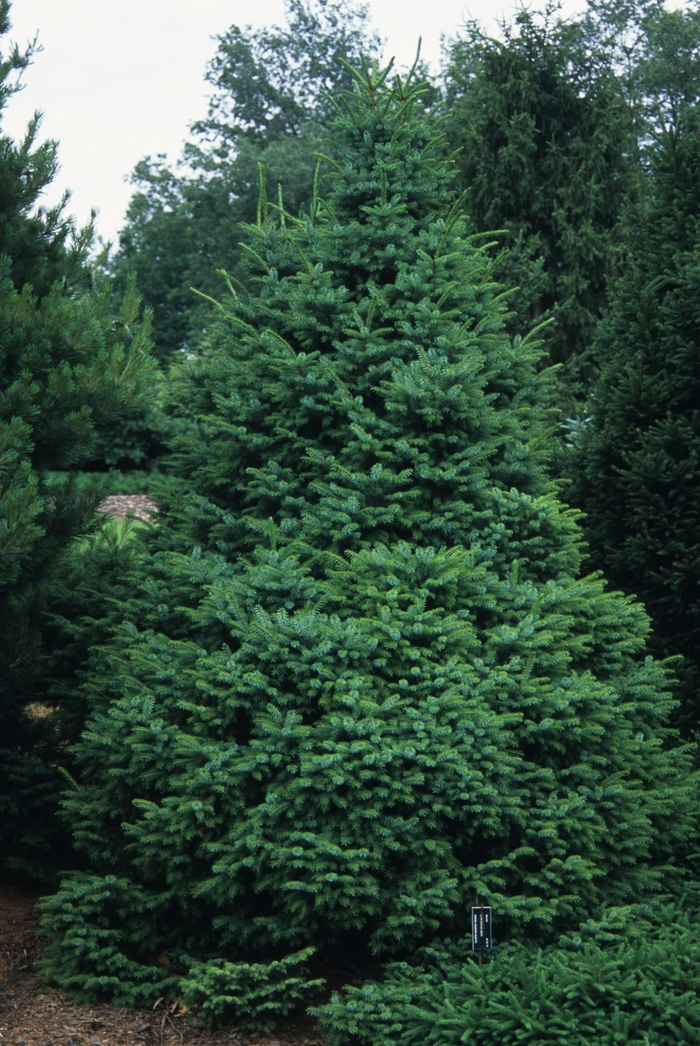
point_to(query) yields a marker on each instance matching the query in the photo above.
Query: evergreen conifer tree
(358, 678)
(635, 465)
(547, 152)
(65, 365)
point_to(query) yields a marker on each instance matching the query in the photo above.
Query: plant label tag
(481, 929)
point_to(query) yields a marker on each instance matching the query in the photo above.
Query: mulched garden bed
(121, 505)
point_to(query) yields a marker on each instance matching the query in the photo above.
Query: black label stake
(482, 938)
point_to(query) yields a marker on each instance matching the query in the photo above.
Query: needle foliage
(358, 677)
(67, 366)
(635, 466)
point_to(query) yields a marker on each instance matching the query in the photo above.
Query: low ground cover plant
(644, 990)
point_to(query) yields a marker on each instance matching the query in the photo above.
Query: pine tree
(636, 463)
(65, 366)
(358, 678)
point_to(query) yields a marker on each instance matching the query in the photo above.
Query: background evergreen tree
(547, 144)
(66, 366)
(553, 121)
(136, 447)
(635, 465)
(358, 679)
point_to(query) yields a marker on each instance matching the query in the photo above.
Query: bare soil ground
(121, 505)
(35, 1013)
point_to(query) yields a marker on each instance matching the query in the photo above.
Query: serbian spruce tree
(359, 679)
(66, 364)
(636, 464)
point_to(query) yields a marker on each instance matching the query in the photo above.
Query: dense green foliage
(354, 675)
(552, 121)
(253, 993)
(136, 448)
(357, 676)
(644, 990)
(183, 224)
(548, 123)
(547, 153)
(635, 465)
(268, 106)
(66, 366)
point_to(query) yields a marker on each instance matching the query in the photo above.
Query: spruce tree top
(357, 680)
(374, 392)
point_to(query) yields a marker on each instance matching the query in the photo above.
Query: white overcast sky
(119, 79)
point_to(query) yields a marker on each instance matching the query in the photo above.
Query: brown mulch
(122, 505)
(35, 1013)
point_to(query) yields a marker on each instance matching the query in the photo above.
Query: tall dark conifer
(66, 364)
(547, 145)
(359, 679)
(636, 464)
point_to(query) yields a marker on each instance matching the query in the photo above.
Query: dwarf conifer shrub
(359, 677)
(254, 994)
